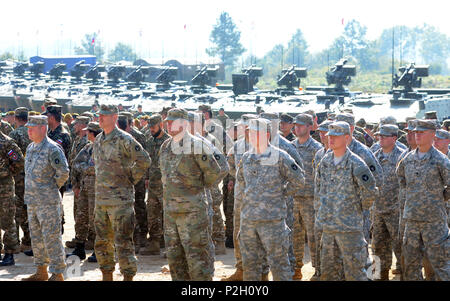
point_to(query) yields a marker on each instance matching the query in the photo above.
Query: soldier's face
(154, 128)
(286, 127)
(323, 138)
(424, 138)
(175, 127)
(441, 143)
(411, 138)
(302, 130)
(338, 142)
(258, 138)
(107, 121)
(387, 141)
(37, 133)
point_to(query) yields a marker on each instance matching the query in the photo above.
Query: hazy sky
(55, 27)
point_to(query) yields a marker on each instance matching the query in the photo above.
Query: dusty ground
(149, 267)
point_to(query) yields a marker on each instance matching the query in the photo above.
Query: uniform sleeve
(375, 168)
(66, 144)
(59, 163)
(292, 151)
(293, 173)
(366, 183)
(222, 161)
(209, 166)
(316, 187)
(140, 160)
(232, 162)
(16, 159)
(444, 170)
(239, 189)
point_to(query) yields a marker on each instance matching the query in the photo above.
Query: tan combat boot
(220, 248)
(56, 277)
(128, 277)
(151, 248)
(107, 275)
(237, 276)
(265, 277)
(40, 275)
(297, 274)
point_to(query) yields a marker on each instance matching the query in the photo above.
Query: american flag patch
(59, 141)
(13, 155)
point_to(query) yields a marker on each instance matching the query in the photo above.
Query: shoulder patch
(137, 148)
(204, 157)
(363, 173)
(56, 158)
(59, 141)
(294, 166)
(13, 155)
(372, 168)
(217, 157)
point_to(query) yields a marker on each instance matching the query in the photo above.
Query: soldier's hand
(76, 192)
(230, 185)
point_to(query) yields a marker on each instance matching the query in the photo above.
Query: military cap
(127, 114)
(446, 123)
(165, 110)
(388, 120)
(245, 118)
(349, 111)
(269, 116)
(108, 109)
(361, 123)
(388, 130)
(122, 117)
(37, 120)
(139, 106)
(286, 118)
(331, 116)
(221, 109)
(21, 112)
(10, 113)
(304, 119)
(93, 126)
(411, 125)
(74, 115)
(259, 124)
(431, 115)
(323, 127)
(442, 134)
(53, 109)
(204, 108)
(176, 113)
(154, 120)
(347, 117)
(48, 101)
(424, 125)
(338, 128)
(88, 114)
(82, 119)
(410, 118)
(310, 112)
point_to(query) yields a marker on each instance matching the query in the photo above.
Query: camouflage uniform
(20, 136)
(385, 223)
(185, 175)
(62, 138)
(155, 189)
(46, 170)
(376, 146)
(303, 203)
(5, 127)
(338, 189)
(426, 184)
(11, 164)
(290, 137)
(140, 208)
(264, 211)
(120, 163)
(84, 178)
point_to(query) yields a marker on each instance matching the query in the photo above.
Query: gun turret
(410, 77)
(57, 70)
(37, 68)
(253, 73)
(138, 75)
(115, 73)
(94, 72)
(244, 82)
(79, 69)
(341, 75)
(291, 76)
(204, 76)
(167, 74)
(20, 68)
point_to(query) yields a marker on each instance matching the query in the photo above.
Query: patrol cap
(269, 116)
(127, 114)
(122, 117)
(245, 119)
(425, 125)
(176, 113)
(93, 126)
(165, 110)
(446, 123)
(88, 114)
(82, 120)
(388, 130)
(10, 113)
(338, 128)
(310, 112)
(442, 134)
(286, 118)
(331, 116)
(388, 120)
(48, 101)
(108, 109)
(323, 127)
(347, 117)
(204, 108)
(37, 120)
(304, 119)
(154, 120)
(21, 112)
(260, 124)
(361, 123)
(411, 125)
(431, 115)
(53, 109)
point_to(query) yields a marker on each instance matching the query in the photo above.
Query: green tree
(87, 47)
(226, 39)
(297, 51)
(435, 48)
(122, 52)
(6, 56)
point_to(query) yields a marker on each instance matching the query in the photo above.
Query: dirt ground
(150, 268)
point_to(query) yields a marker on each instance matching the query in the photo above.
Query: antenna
(392, 82)
(282, 54)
